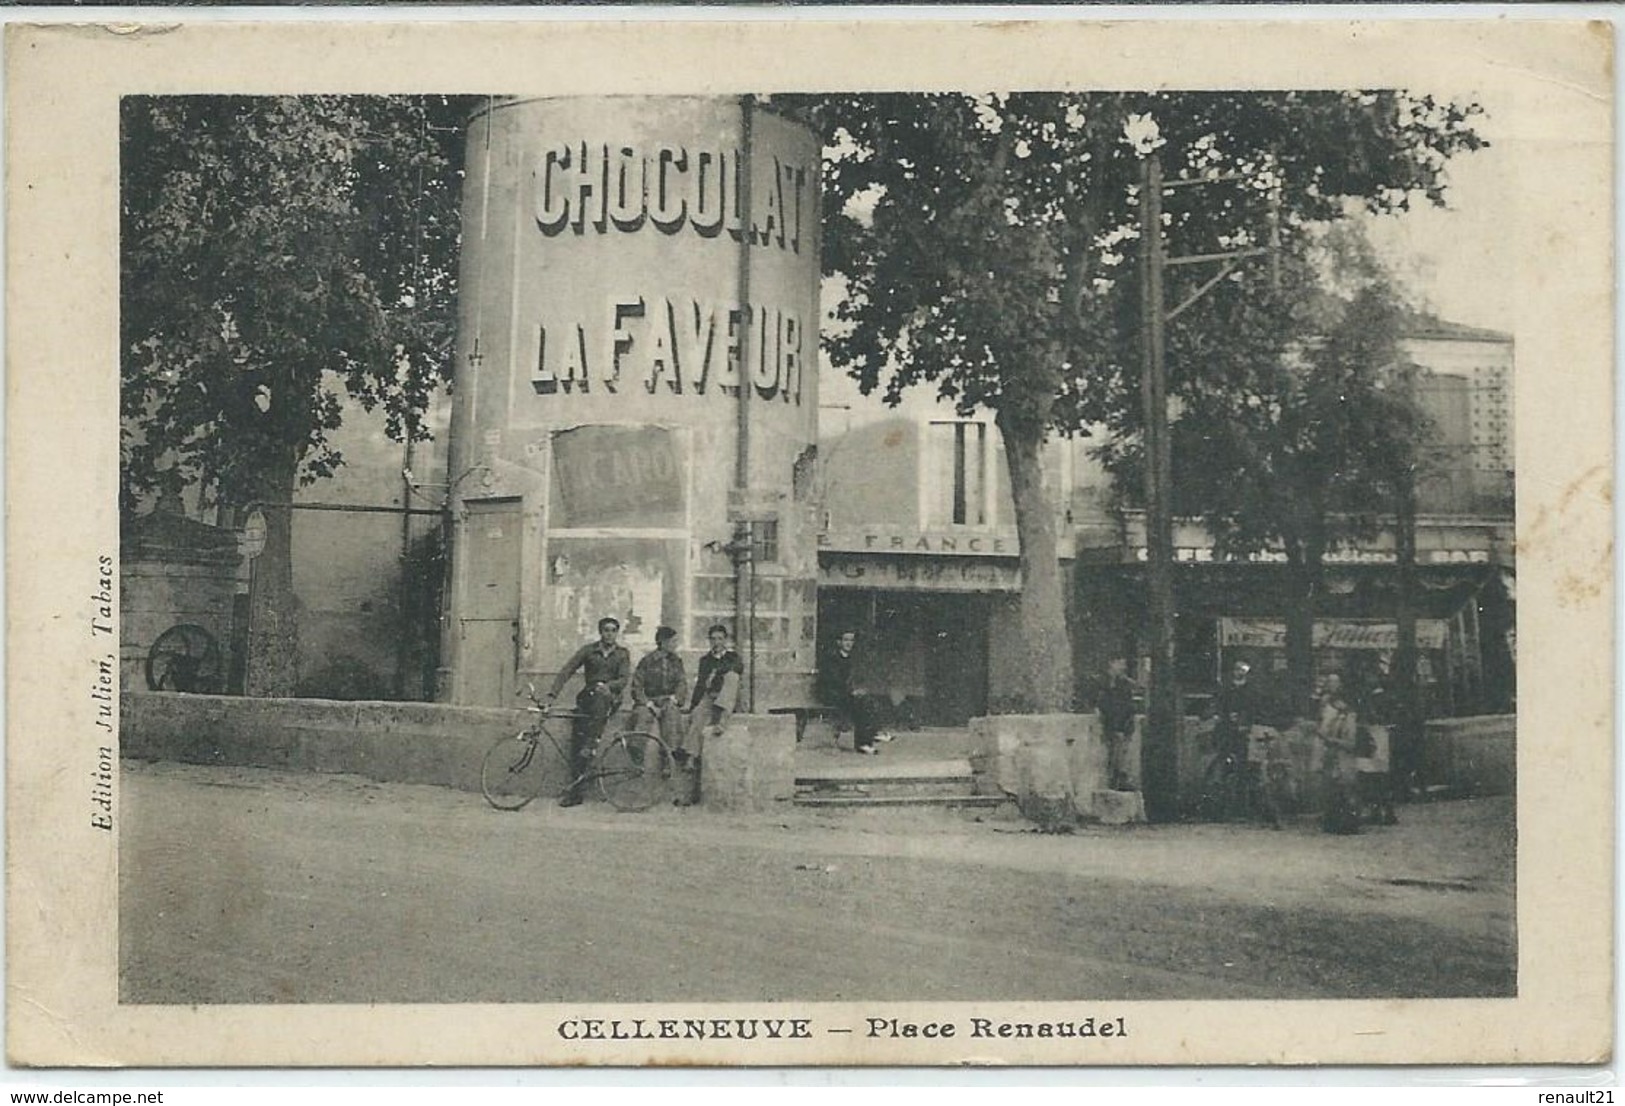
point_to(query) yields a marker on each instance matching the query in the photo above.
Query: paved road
(241, 885)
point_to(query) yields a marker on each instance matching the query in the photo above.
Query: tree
(1301, 432)
(277, 255)
(982, 240)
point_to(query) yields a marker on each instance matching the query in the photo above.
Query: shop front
(928, 627)
(1230, 612)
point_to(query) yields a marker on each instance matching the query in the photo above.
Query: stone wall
(751, 764)
(1471, 756)
(1052, 765)
(426, 743)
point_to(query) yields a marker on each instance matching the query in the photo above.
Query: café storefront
(1236, 609)
(931, 610)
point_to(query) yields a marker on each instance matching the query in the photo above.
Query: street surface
(251, 886)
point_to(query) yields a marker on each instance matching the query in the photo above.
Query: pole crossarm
(1229, 267)
(1199, 258)
(1191, 182)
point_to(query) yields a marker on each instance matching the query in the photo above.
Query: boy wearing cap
(658, 686)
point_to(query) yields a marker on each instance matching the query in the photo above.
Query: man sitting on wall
(716, 689)
(716, 695)
(657, 688)
(605, 668)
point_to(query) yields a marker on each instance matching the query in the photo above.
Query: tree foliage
(987, 246)
(278, 254)
(1295, 420)
(279, 257)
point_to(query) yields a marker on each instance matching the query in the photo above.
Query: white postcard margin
(1553, 80)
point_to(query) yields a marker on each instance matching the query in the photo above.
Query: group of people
(659, 685)
(682, 713)
(1355, 775)
(1357, 779)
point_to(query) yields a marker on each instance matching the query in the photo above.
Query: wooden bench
(807, 712)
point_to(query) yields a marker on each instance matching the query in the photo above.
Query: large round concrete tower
(636, 394)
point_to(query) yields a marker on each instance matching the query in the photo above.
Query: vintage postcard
(810, 542)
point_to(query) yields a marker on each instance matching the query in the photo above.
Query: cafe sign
(1329, 634)
(917, 574)
(960, 543)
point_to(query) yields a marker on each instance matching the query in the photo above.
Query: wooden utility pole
(1159, 744)
(1406, 734)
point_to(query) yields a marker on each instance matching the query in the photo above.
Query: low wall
(750, 766)
(1053, 765)
(392, 742)
(1471, 756)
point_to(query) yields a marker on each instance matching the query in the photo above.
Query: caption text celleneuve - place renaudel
(768, 1029)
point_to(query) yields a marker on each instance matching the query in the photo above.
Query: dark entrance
(927, 654)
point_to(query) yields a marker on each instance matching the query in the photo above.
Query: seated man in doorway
(605, 668)
(657, 689)
(839, 688)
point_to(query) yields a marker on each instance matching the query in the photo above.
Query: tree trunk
(273, 615)
(1045, 668)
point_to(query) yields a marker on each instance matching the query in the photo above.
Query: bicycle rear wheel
(513, 772)
(633, 770)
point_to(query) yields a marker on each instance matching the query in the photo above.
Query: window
(764, 541)
(958, 479)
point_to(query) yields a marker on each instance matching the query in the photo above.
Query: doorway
(489, 623)
(927, 653)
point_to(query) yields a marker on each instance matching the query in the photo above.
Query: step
(937, 785)
(899, 800)
(872, 769)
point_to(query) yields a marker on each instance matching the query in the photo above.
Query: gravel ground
(246, 885)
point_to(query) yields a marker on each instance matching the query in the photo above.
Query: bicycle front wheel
(513, 772)
(634, 770)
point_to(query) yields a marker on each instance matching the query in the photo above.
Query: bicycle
(1246, 782)
(632, 769)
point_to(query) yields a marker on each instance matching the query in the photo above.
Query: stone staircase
(878, 782)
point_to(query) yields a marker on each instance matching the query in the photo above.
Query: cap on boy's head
(664, 634)
(609, 622)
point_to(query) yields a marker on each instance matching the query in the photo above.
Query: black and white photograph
(767, 569)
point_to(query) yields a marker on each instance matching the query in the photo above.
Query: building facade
(636, 399)
(919, 554)
(918, 549)
(640, 426)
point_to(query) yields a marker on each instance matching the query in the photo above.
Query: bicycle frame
(623, 766)
(538, 729)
